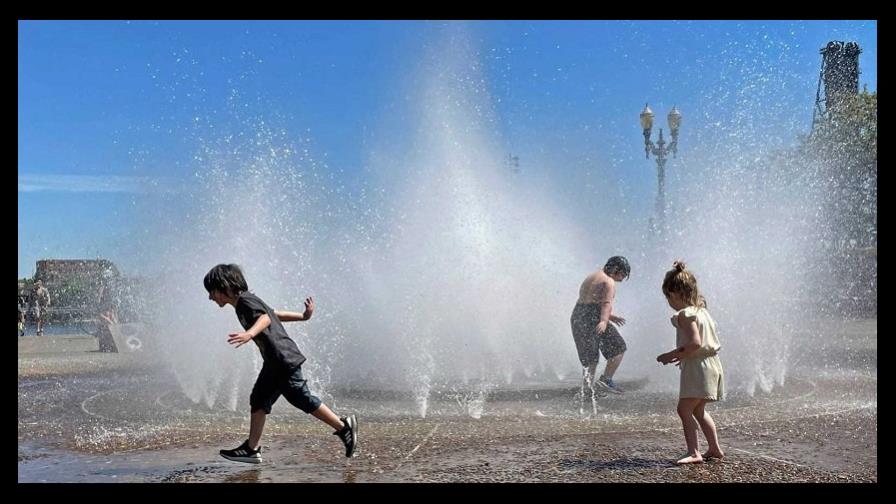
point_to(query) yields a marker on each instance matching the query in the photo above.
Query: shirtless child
(590, 323)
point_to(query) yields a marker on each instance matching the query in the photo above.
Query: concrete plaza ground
(85, 416)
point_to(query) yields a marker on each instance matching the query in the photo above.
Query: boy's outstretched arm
(241, 338)
(286, 316)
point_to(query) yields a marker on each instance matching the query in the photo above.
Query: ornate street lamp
(660, 151)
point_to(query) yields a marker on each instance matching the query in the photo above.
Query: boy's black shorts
(273, 382)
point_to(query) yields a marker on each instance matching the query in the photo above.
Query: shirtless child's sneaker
(610, 385)
(243, 453)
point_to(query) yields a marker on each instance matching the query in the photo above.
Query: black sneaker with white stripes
(243, 453)
(349, 434)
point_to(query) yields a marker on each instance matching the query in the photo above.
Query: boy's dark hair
(225, 278)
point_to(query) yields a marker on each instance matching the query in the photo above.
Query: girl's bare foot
(690, 459)
(709, 454)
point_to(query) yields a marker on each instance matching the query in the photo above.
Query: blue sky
(102, 105)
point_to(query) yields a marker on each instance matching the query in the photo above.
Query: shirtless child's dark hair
(617, 264)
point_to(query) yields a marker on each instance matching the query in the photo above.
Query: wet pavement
(85, 416)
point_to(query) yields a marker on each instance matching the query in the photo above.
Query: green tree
(842, 151)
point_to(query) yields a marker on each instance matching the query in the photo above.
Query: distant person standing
(106, 318)
(38, 302)
(21, 302)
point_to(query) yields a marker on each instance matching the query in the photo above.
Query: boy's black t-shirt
(276, 347)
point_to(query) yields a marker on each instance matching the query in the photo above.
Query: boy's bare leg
(612, 365)
(256, 427)
(708, 426)
(327, 416)
(686, 409)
